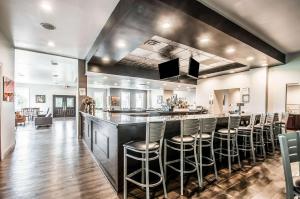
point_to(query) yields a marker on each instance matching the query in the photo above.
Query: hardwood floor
(52, 163)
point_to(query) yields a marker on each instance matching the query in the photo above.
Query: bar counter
(105, 133)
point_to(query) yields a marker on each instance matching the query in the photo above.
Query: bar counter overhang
(105, 133)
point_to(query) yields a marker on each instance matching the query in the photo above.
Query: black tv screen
(193, 68)
(169, 69)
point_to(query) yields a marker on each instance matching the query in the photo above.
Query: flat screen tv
(169, 69)
(193, 68)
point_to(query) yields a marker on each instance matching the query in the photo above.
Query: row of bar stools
(146, 151)
(229, 135)
(183, 143)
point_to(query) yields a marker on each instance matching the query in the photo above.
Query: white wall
(254, 79)
(48, 90)
(279, 76)
(7, 108)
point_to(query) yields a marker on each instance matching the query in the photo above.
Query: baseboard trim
(9, 150)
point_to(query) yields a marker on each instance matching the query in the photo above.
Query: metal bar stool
(183, 143)
(258, 136)
(290, 152)
(246, 133)
(205, 139)
(230, 136)
(268, 129)
(150, 149)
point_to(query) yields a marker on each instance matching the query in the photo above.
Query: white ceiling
(98, 80)
(275, 21)
(78, 23)
(37, 68)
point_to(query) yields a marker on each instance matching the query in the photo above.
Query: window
(99, 99)
(125, 100)
(22, 98)
(139, 100)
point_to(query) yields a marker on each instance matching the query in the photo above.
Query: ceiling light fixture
(121, 44)
(148, 82)
(105, 59)
(250, 58)
(51, 44)
(231, 71)
(166, 25)
(105, 77)
(230, 50)
(204, 40)
(48, 26)
(204, 76)
(264, 64)
(116, 84)
(46, 6)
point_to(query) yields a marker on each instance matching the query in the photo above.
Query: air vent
(151, 42)
(54, 63)
(48, 26)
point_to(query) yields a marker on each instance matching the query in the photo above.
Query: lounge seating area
(35, 116)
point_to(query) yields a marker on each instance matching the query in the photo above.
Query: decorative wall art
(40, 99)
(8, 89)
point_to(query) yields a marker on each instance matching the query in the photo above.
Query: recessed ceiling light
(230, 50)
(204, 76)
(250, 58)
(48, 26)
(178, 86)
(46, 6)
(51, 43)
(188, 87)
(105, 77)
(164, 84)
(166, 25)
(121, 44)
(105, 59)
(231, 71)
(204, 40)
(148, 82)
(264, 64)
(116, 84)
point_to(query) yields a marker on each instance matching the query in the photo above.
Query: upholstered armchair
(19, 118)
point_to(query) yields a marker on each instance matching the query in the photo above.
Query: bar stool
(258, 136)
(268, 129)
(246, 133)
(229, 135)
(150, 149)
(205, 139)
(183, 143)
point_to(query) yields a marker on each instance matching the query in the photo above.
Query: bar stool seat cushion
(225, 131)
(244, 128)
(296, 180)
(184, 139)
(203, 136)
(141, 145)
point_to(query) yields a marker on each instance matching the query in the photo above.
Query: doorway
(64, 106)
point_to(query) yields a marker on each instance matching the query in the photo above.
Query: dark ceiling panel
(136, 22)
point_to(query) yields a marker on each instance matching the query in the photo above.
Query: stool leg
(147, 176)
(228, 154)
(252, 147)
(181, 168)
(263, 144)
(220, 156)
(165, 158)
(162, 175)
(198, 165)
(143, 169)
(213, 158)
(125, 174)
(237, 150)
(272, 139)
